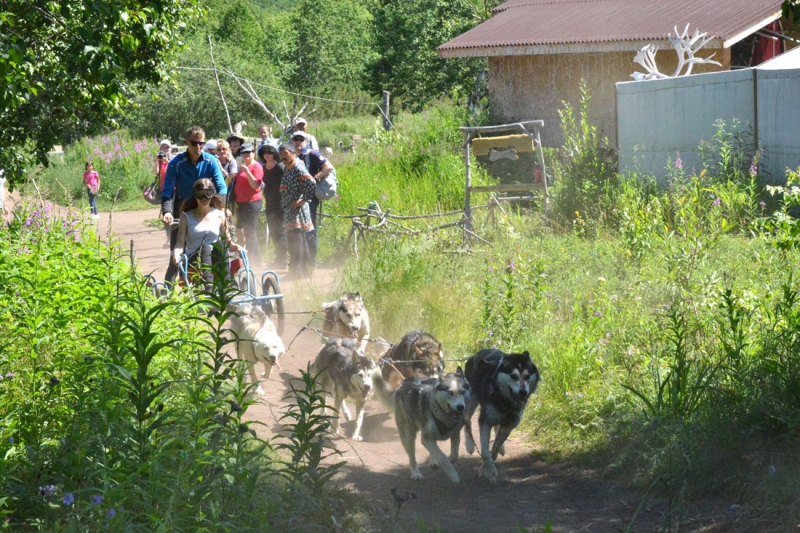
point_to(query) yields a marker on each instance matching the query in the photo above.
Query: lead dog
(435, 407)
(417, 354)
(344, 373)
(347, 317)
(501, 385)
(256, 339)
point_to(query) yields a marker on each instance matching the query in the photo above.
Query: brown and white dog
(347, 317)
(418, 354)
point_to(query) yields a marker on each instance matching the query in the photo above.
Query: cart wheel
(274, 306)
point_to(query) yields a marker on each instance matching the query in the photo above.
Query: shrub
(120, 411)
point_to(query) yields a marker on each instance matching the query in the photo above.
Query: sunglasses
(197, 143)
(298, 139)
(204, 194)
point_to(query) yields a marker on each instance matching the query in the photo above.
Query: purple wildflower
(110, 513)
(754, 170)
(762, 203)
(104, 139)
(717, 202)
(10, 375)
(96, 499)
(28, 221)
(68, 499)
(489, 269)
(137, 147)
(598, 314)
(11, 440)
(97, 150)
(512, 267)
(108, 162)
(679, 163)
(26, 251)
(47, 490)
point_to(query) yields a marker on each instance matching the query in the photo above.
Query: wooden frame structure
(525, 127)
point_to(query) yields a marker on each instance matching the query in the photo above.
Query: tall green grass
(126, 166)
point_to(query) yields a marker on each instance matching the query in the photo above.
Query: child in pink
(92, 181)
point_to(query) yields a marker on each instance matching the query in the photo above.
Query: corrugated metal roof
(559, 22)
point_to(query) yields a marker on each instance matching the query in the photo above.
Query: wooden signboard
(521, 143)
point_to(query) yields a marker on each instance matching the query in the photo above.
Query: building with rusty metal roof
(539, 50)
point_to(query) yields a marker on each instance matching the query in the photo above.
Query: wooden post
(544, 174)
(468, 184)
(387, 124)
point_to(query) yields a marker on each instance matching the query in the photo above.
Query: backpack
(326, 188)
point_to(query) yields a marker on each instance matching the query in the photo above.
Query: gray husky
(347, 317)
(501, 385)
(417, 354)
(344, 372)
(435, 407)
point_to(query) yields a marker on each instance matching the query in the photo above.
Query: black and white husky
(345, 373)
(434, 407)
(501, 385)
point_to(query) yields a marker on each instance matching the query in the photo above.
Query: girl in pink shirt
(92, 181)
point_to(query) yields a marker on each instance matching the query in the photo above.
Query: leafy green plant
(308, 429)
(681, 378)
(587, 170)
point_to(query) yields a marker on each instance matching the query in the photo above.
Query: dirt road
(529, 493)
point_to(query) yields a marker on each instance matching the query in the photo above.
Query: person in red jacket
(247, 191)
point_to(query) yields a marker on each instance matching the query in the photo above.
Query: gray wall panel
(779, 122)
(659, 119)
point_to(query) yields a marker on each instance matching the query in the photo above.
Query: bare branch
(219, 87)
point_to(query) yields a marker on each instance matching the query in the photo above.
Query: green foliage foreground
(122, 412)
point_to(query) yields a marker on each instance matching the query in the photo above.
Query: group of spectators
(213, 183)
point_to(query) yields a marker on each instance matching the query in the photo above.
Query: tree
(332, 46)
(407, 33)
(68, 67)
(791, 12)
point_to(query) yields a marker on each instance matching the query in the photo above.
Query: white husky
(257, 340)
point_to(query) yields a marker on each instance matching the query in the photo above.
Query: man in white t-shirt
(302, 125)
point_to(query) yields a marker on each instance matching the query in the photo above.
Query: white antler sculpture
(686, 47)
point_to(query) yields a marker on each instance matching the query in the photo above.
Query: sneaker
(95, 216)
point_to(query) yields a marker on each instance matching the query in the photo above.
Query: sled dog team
(410, 381)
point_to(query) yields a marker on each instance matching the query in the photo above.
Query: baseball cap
(234, 136)
(300, 120)
(246, 147)
(299, 134)
(210, 145)
(162, 142)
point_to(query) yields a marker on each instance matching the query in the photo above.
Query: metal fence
(659, 119)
